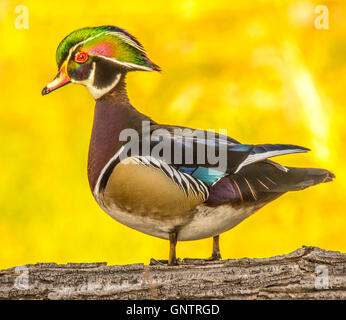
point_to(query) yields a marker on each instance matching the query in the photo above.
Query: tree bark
(307, 273)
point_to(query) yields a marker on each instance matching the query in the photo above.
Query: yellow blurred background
(260, 69)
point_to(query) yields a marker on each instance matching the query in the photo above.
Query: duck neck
(113, 113)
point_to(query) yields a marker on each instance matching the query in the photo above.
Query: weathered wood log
(307, 273)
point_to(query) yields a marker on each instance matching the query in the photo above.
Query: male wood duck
(178, 199)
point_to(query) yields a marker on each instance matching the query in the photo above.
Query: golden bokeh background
(260, 69)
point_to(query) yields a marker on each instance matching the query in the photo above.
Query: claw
(215, 256)
(154, 262)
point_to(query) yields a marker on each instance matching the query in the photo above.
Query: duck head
(98, 58)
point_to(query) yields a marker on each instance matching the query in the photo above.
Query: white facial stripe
(127, 64)
(99, 92)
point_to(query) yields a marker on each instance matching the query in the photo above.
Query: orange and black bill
(59, 81)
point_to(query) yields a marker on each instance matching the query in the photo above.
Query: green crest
(107, 41)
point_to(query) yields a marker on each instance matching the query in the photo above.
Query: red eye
(81, 57)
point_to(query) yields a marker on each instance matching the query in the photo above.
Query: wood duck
(187, 198)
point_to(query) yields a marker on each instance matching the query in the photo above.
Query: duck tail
(261, 182)
(301, 178)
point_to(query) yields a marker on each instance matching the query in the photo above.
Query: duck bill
(59, 81)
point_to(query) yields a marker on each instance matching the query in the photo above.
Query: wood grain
(296, 275)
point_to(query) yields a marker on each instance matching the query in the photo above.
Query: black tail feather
(261, 182)
(301, 178)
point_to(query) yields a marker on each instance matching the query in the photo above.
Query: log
(307, 273)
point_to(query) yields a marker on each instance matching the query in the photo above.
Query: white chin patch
(98, 92)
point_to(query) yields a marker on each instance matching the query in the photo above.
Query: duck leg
(216, 255)
(172, 259)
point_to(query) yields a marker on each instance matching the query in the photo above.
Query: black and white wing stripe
(264, 151)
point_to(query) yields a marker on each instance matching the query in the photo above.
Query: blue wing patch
(208, 175)
(188, 170)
